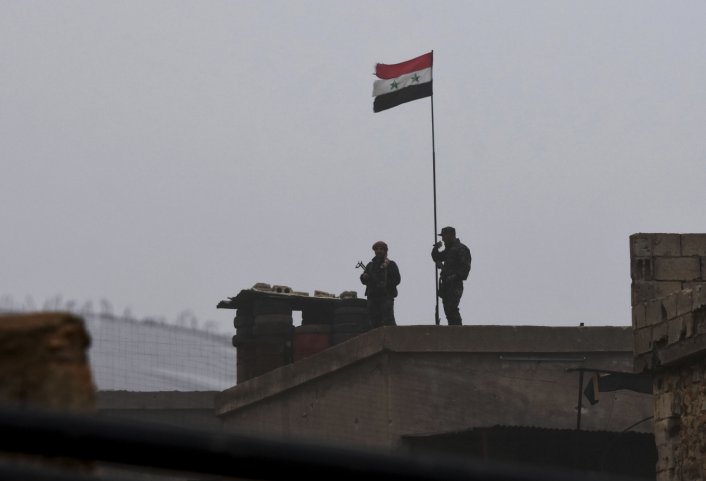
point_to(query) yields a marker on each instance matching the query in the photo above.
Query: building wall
(662, 264)
(345, 408)
(447, 392)
(193, 410)
(680, 421)
(669, 322)
(396, 381)
(672, 345)
(669, 329)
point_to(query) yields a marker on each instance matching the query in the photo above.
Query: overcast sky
(164, 155)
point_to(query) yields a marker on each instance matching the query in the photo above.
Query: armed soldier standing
(381, 278)
(455, 264)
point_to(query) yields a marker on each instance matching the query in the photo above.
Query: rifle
(362, 266)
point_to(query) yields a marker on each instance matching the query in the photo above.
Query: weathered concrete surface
(43, 362)
(669, 323)
(670, 330)
(680, 419)
(661, 264)
(397, 381)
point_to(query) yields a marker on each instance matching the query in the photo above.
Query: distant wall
(193, 410)
(669, 322)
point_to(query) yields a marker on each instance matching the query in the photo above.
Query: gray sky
(164, 155)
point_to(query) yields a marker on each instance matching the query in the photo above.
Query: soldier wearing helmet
(381, 278)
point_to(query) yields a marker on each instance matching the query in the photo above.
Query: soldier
(455, 264)
(381, 278)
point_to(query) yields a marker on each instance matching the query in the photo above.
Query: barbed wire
(186, 319)
(149, 353)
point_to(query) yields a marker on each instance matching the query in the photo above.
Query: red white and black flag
(402, 82)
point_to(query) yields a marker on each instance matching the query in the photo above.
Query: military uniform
(381, 290)
(455, 262)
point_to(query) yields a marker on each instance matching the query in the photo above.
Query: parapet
(266, 337)
(298, 300)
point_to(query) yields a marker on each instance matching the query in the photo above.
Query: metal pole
(433, 164)
(578, 413)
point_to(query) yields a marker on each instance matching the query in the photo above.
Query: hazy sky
(165, 155)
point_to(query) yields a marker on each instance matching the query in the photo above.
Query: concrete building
(399, 381)
(440, 387)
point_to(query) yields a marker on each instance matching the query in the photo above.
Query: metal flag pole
(433, 164)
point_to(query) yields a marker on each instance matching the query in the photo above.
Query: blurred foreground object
(44, 365)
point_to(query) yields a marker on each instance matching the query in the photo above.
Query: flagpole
(390, 90)
(433, 164)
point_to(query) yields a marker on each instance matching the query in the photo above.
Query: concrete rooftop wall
(397, 381)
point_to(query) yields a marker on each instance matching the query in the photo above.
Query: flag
(402, 82)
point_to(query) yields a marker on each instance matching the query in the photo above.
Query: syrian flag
(402, 82)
